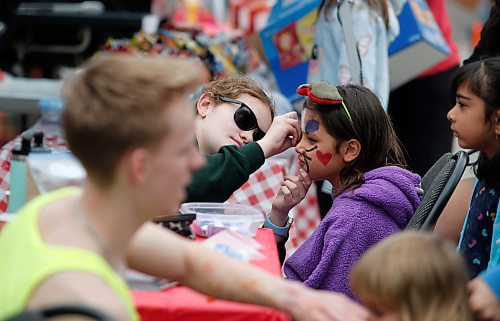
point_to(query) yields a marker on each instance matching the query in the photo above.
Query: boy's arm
(159, 252)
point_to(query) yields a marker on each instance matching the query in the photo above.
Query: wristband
(278, 230)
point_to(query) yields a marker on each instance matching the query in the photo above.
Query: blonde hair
(234, 86)
(418, 276)
(114, 104)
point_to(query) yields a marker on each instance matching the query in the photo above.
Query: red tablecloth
(182, 303)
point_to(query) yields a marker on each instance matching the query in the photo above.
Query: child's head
(475, 118)
(232, 111)
(122, 107)
(412, 276)
(340, 142)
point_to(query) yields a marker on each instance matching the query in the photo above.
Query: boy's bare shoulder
(78, 288)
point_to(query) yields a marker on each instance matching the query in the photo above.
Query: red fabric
(305, 90)
(438, 8)
(182, 303)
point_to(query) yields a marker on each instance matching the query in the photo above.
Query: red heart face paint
(324, 158)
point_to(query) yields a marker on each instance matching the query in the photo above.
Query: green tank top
(26, 261)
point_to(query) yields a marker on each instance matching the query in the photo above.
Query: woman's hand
(284, 133)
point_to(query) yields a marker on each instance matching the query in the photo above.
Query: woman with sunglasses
(235, 128)
(348, 140)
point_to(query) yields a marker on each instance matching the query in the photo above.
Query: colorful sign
(287, 41)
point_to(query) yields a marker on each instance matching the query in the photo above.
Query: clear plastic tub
(212, 218)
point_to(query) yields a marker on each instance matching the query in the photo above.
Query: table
(182, 303)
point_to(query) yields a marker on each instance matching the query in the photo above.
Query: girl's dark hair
(488, 46)
(370, 126)
(483, 79)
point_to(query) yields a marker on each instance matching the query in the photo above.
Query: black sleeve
(282, 250)
(224, 173)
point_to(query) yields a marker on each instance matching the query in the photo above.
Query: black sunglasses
(245, 118)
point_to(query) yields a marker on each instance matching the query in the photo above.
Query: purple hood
(358, 219)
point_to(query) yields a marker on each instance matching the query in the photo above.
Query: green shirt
(26, 261)
(225, 172)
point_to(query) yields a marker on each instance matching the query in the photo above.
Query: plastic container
(212, 218)
(51, 109)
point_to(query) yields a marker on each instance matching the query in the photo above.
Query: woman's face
(218, 127)
(317, 150)
(469, 123)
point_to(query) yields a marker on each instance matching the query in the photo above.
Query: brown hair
(416, 275)
(234, 86)
(370, 126)
(114, 103)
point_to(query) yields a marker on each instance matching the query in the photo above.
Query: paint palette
(177, 223)
(212, 218)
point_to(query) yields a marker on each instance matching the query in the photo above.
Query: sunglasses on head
(323, 93)
(244, 118)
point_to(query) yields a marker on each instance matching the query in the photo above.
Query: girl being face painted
(317, 150)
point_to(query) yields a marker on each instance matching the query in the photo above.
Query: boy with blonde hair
(129, 122)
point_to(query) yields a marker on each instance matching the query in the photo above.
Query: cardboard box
(287, 41)
(419, 45)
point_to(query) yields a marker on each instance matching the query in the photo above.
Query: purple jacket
(358, 219)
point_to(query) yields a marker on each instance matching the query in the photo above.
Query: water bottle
(17, 196)
(51, 109)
